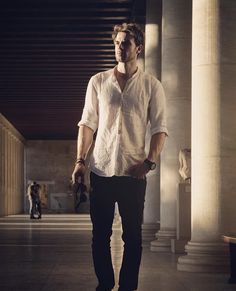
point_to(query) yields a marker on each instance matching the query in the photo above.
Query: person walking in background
(34, 199)
(118, 105)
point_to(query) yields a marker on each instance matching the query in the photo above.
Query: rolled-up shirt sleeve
(90, 111)
(157, 109)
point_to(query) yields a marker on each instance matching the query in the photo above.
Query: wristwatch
(151, 165)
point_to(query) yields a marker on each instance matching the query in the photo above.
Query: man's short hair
(133, 29)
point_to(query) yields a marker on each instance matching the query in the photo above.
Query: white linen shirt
(121, 118)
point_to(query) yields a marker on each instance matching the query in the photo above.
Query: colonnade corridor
(54, 254)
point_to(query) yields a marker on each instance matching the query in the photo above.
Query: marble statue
(185, 164)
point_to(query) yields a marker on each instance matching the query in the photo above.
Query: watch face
(153, 166)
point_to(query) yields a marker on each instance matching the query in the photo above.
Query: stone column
(210, 145)
(11, 172)
(176, 79)
(17, 184)
(1, 170)
(3, 136)
(228, 120)
(12, 168)
(14, 184)
(7, 169)
(153, 38)
(152, 66)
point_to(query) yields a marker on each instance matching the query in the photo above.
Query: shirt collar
(134, 75)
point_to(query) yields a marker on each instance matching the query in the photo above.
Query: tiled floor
(54, 255)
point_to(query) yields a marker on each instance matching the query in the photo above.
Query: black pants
(35, 208)
(129, 193)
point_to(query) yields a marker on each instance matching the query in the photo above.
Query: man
(34, 198)
(119, 103)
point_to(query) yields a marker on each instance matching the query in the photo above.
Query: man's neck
(126, 70)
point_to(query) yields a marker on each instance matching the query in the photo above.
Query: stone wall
(50, 163)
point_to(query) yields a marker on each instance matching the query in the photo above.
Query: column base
(178, 246)
(149, 231)
(205, 257)
(163, 242)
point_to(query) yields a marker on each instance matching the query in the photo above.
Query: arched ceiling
(48, 51)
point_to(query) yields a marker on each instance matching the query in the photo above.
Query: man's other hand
(78, 173)
(139, 171)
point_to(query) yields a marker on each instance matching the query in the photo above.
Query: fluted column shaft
(12, 169)
(205, 251)
(2, 148)
(176, 79)
(152, 66)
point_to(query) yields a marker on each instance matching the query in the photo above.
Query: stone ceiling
(48, 51)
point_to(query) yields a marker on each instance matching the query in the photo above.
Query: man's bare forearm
(84, 141)
(156, 146)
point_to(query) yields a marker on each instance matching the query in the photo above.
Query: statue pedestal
(232, 250)
(183, 227)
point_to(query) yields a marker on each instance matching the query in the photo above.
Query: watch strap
(151, 165)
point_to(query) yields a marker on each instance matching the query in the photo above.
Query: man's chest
(122, 84)
(132, 99)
